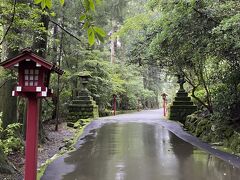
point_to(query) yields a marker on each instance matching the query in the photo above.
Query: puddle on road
(137, 151)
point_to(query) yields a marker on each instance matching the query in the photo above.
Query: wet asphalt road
(141, 146)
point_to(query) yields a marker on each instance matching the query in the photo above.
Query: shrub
(9, 138)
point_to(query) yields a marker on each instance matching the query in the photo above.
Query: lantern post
(114, 104)
(31, 148)
(164, 98)
(33, 84)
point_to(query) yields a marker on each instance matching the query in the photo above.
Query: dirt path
(55, 141)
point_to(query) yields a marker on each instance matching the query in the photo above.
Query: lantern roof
(28, 54)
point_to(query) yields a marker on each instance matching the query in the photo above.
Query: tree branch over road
(68, 32)
(11, 22)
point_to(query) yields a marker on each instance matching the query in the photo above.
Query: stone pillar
(83, 107)
(182, 105)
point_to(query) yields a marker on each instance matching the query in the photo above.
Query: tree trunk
(207, 105)
(40, 44)
(58, 61)
(113, 43)
(58, 81)
(9, 104)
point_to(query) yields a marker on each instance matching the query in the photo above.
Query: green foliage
(62, 2)
(26, 20)
(106, 79)
(91, 5)
(126, 81)
(93, 32)
(214, 129)
(91, 36)
(46, 3)
(99, 31)
(135, 23)
(9, 138)
(199, 39)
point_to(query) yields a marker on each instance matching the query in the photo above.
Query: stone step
(84, 98)
(183, 107)
(176, 118)
(182, 98)
(74, 118)
(181, 90)
(81, 105)
(180, 114)
(182, 94)
(77, 109)
(80, 113)
(84, 93)
(82, 102)
(183, 103)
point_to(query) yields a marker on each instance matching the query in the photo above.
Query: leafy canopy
(93, 32)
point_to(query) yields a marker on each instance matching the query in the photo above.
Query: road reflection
(138, 151)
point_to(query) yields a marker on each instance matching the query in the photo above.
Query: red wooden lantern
(164, 97)
(33, 74)
(33, 83)
(114, 104)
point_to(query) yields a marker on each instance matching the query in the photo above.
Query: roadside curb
(178, 130)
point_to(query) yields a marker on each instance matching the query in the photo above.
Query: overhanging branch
(68, 32)
(205, 15)
(3, 84)
(11, 22)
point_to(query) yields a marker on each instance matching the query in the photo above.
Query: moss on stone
(210, 129)
(234, 142)
(202, 127)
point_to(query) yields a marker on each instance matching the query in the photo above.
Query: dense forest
(133, 49)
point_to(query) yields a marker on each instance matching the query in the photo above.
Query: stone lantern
(84, 80)
(83, 106)
(182, 105)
